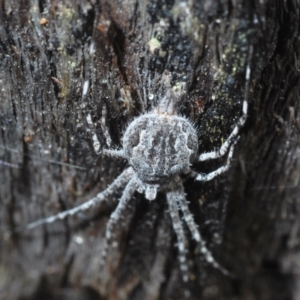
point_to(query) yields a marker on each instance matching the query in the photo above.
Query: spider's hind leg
(189, 219)
(172, 198)
(118, 213)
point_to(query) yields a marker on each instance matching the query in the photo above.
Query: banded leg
(172, 198)
(114, 153)
(188, 217)
(234, 134)
(116, 216)
(223, 169)
(118, 183)
(104, 127)
(96, 143)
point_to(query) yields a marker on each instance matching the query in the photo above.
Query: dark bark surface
(132, 53)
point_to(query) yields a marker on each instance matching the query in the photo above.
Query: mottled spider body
(158, 147)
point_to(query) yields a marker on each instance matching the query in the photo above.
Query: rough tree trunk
(131, 53)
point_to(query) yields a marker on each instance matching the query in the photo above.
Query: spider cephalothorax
(159, 147)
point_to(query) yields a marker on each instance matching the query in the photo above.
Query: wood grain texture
(131, 53)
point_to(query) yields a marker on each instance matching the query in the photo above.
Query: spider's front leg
(212, 175)
(228, 144)
(96, 142)
(234, 134)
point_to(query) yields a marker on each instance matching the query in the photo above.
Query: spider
(160, 146)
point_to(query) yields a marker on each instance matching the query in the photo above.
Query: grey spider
(160, 146)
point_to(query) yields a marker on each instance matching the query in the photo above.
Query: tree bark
(62, 61)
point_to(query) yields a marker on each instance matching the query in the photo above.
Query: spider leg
(109, 152)
(104, 127)
(188, 217)
(96, 143)
(210, 176)
(120, 181)
(172, 198)
(118, 213)
(234, 134)
(114, 153)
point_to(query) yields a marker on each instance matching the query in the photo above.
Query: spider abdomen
(159, 146)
